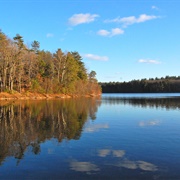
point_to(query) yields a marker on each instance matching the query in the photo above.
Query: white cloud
(149, 61)
(155, 7)
(82, 18)
(116, 31)
(96, 57)
(49, 35)
(113, 32)
(125, 21)
(103, 32)
(144, 17)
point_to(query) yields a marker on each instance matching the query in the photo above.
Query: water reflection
(124, 162)
(114, 153)
(26, 124)
(95, 127)
(145, 166)
(149, 123)
(123, 142)
(168, 103)
(86, 167)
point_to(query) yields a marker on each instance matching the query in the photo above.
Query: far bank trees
(169, 84)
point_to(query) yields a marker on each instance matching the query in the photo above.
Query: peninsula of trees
(29, 69)
(168, 84)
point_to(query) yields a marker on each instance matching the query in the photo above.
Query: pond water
(117, 136)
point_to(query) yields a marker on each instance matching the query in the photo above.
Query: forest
(24, 68)
(168, 84)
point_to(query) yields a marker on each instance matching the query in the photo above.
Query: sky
(121, 40)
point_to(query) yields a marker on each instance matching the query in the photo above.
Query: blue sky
(121, 40)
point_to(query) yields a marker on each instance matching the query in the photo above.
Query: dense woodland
(24, 68)
(158, 85)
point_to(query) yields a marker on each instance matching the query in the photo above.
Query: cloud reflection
(146, 166)
(104, 152)
(83, 166)
(143, 165)
(149, 123)
(50, 151)
(95, 127)
(124, 162)
(114, 153)
(118, 153)
(127, 164)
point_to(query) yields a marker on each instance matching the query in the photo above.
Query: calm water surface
(119, 136)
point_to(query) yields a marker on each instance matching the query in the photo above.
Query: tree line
(24, 68)
(168, 84)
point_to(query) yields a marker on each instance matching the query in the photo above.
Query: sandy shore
(30, 95)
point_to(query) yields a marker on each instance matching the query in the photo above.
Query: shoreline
(39, 96)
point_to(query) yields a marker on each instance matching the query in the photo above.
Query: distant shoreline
(169, 84)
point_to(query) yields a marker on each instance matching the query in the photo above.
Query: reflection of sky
(145, 166)
(50, 151)
(118, 153)
(121, 161)
(83, 166)
(149, 123)
(115, 153)
(124, 162)
(104, 152)
(95, 127)
(147, 135)
(129, 139)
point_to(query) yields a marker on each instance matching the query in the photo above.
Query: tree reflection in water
(26, 124)
(168, 103)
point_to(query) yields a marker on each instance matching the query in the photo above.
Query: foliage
(32, 69)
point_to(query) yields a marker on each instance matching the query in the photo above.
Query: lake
(117, 136)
